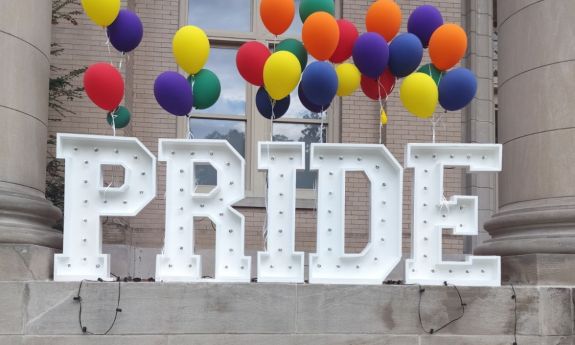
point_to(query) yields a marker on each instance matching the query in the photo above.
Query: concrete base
(24, 262)
(538, 269)
(179, 313)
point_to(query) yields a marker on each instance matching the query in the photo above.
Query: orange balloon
(384, 17)
(277, 15)
(320, 35)
(447, 46)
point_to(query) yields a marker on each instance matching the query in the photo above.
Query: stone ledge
(47, 308)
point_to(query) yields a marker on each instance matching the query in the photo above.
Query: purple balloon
(126, 32)
(371, 54)
(173, 93)
(423, 21)
(314, 108)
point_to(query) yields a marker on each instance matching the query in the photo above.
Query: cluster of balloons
(380, 56)
(178, 95)
(279, 72)
(103, 83)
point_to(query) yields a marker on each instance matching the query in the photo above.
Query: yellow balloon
(191, 48)
(282, 72)
(383, 117)
(102, 12)
(348, 77)
(419, 94)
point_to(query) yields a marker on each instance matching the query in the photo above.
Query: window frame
(257, 128)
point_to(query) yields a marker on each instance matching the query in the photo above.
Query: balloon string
(109, 49)
(380, 131)
(322, 114)
(190, 135)
(434, 123)
(113, 116)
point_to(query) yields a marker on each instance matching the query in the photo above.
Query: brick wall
(85, 44)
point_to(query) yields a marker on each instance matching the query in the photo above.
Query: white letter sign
(330, 265)
(432, 213)
(279, 263)
(86, 198)
(178, 261)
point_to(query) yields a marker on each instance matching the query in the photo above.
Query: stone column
(479, 117)
(27, 241)
(534, 229)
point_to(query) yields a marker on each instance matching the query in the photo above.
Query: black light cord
(431, 330)
(514, 298)
(78, 298)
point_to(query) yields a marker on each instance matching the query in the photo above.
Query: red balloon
(104, 85)
(386, 84)
(250, 61)
(347, 36)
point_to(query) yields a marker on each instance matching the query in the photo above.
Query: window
(234, 117)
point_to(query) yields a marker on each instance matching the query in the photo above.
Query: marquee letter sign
(330, 264)
(280, 262)
(432, 213)
(178, 261)
(86, 198)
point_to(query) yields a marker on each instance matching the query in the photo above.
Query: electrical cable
(514, 298)
(431, 330)
(78, 298)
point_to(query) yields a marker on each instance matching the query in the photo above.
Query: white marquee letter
(330, 265)
(432, 213)
(183, 203)
(86, 199)
(279, 263)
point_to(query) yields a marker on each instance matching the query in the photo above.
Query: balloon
(173, 93)
(447, 46)
(320, 35)
(191, 48)
(380, 88)
(264, 105)
(419, 94)
(319, 82)
(308, 7)
(348, 78)
(371, 54)
(102, 12)
(405, 54)
(347, 36)
(384, 17)
(296, 48)
(383, 117)
(457, 89)
(281, 74)
(126, 32)
(250, 60)
(314, 108)
(119, 118)
(433, 72)
(206, 88)
(423, 21)
(277, 15)
(104, 85)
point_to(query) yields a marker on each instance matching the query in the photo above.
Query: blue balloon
(126, 32)
(319, 82)
(264, 104)
(314, 108)
(405, 54)
(457, 88)
(371, 54)
(173, 93)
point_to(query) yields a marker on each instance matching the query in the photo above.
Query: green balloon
(121, 117)
(296, 48)
(307, 7)
(433, 72)
(206, 88)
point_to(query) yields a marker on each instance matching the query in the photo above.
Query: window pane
(233, 131)
(308, 134)
(224, 15)
(232, 101)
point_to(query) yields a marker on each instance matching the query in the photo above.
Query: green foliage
(61, 91)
